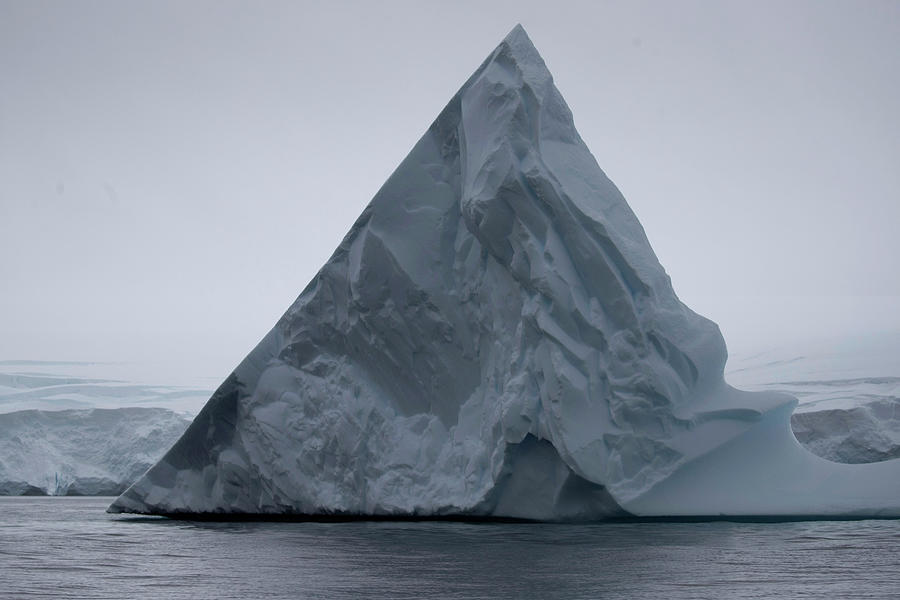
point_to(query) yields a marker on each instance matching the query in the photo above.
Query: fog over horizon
(172, 175)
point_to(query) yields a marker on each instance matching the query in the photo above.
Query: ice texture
(866, 433)
(96, 452)
(495, 337)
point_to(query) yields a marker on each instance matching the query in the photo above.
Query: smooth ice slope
(495, 336)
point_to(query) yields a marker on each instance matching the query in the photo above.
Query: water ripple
(70, 548)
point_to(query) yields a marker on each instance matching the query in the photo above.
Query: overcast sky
(172, 174)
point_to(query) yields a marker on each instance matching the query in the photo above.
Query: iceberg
(495, 337)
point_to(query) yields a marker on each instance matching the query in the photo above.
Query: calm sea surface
(70, 548)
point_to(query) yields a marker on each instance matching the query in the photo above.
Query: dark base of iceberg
(288, 517)
(476, 519)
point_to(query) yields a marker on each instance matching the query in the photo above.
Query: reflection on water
(70, 548)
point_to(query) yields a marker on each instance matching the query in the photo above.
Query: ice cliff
(97, 452)
(495, 337)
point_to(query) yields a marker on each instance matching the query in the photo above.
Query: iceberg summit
(495, 338)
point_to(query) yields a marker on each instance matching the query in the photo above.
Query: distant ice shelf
(495, 337)
(94, 452)
(869, 432)
(61, 385)
(848, 387)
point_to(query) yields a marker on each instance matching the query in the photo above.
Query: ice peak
(519, 37)
(518, 47)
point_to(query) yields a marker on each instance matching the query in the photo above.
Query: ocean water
(70, 548)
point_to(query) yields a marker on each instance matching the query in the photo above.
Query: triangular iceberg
(495, 337)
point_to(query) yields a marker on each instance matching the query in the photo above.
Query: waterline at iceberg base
(495, 337)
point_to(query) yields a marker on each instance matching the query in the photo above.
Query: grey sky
(172, 174)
